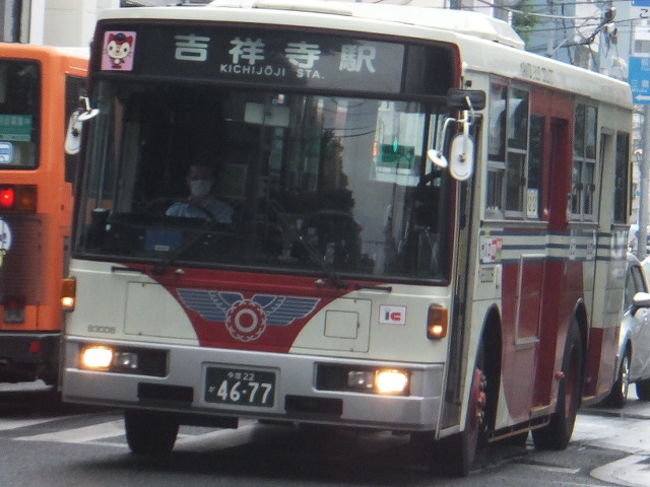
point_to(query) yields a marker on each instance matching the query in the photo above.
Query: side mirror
(641, 300)
(461, 157)
(461, 154)
(73, 134)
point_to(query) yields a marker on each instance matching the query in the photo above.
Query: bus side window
(74, 88)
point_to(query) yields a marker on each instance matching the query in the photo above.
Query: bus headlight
(391, 381)
(119, 359)
(363, 379)
(96, 357)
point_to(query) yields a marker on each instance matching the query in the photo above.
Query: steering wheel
(159, 206)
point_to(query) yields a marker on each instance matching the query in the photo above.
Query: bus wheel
(556, 435)
(618, 394)
(149, 432)
(456, 453)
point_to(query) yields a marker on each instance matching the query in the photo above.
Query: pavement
(626, 430)
(601, 427)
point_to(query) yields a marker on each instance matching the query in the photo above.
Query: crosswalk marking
(94, 434)
(12, 424)
(80, 435)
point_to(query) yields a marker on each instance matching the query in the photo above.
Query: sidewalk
(632, 470)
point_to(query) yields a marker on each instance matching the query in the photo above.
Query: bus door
(556, 173)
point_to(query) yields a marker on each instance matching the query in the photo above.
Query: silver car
(634, 339)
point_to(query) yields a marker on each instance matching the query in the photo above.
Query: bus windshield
(19, 108)
(300, 182)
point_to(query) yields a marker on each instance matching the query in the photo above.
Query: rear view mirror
(641, 300)
(461, 157)
(73, 134)
(461, 153)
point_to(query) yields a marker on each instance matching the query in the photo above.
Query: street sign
(639, 79)
(641, 3)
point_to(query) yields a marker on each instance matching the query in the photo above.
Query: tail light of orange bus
(18, 197)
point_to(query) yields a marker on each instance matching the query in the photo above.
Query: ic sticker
(392, 315)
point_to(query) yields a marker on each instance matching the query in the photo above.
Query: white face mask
(200, 187)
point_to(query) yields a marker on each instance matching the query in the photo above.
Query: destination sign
(299, 59)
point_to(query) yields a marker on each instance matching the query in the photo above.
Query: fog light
(96, 357)
(126, 360)
(361, 379)
(391, 381)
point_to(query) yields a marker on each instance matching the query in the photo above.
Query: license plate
(243, 387)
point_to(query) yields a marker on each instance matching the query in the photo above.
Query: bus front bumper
(244, 384)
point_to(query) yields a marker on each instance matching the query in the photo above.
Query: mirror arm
(87, 111)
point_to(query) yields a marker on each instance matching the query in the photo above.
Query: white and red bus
(39, 91)
(426, 225)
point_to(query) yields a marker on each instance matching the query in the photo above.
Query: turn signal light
(68, 294)
(437, 322)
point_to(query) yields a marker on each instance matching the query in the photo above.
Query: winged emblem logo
(246, 319)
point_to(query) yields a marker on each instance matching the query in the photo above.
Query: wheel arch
(492, 342)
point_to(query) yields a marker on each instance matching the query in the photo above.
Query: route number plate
(243, 387)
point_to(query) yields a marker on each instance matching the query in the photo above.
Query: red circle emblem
(246, 320)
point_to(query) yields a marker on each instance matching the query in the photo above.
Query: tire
(149, 432)
(643, 390)
(456, 453)
(556, 435)
(618, 395)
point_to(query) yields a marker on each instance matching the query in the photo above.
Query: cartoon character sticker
(118, 50)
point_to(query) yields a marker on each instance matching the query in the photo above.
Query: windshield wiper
(330, 273)
(315, 257)
(161, 266)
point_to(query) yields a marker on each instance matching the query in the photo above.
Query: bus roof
(12, 48)
(481, 39)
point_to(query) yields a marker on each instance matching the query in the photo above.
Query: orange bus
(40, 88)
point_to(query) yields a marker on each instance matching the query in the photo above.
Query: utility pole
(643, 187)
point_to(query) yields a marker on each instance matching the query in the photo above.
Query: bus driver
(200, 203)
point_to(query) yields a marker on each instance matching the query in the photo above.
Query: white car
(634, 340)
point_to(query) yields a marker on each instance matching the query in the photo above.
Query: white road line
(12, 424)
(216, 440)
(80, 435)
